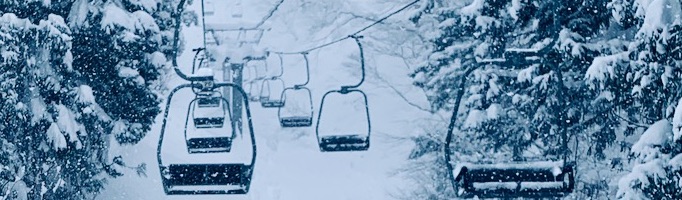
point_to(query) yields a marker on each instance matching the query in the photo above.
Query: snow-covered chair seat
(209, 134)
(545, 179)
(206, 178)
(209, 144)
(344, 143)
(209, 113)
(270, 94)
(296, 121)
(269, 103)
(298, 112)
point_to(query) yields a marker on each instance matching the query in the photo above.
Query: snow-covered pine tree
(646, 78)
(76, 77)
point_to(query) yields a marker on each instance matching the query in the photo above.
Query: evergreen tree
(646, 78)
(77, 76)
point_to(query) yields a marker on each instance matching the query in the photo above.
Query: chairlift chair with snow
(333, 133)
(270, 93)
(257, 69)
(294, 114)
(533, 179)
(254, 92)
(272, 88)
(212, 176)
(209, 111)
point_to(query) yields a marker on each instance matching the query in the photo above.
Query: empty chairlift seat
(271, 91)
(298, 112)
(544, 179)
(273, 86)
(254, 93)
(206, 178)
(209, 134)
(257, 73)
(343, 122)
(209, 112)
(201, 167)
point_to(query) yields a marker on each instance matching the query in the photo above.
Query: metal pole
(203, 21)
(237, 99)
(227, 77)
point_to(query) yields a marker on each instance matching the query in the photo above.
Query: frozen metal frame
(298, 121)
(346, 142)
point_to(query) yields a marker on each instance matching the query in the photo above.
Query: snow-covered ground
(289, 165)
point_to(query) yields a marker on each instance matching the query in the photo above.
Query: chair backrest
(530, 180)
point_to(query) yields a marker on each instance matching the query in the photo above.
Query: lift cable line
(352, 34)
(270, 13)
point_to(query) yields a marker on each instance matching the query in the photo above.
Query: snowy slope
(289, 164)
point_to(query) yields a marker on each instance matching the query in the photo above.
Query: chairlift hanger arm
(362, 65)
(281, 67)
(176, 37)
(451, 126)
(307, 71)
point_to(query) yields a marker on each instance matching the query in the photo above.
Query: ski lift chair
(219, 177)
(533, 179)
(292, 117)
(272, 87)
(208, 115)
(209, 111)
(259, 74)
(333, 139)
(543, 179)
(254, 95)
(331, 131)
